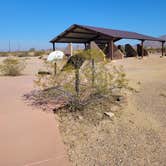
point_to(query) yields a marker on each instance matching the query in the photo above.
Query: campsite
(84, 92)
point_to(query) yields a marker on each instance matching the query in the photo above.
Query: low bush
(12, 66)
(100, 81)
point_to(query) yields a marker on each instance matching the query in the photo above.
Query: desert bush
(39, 53)
(22, 54)
(12, 66)
(99, 79)
(4, 54)
(45, 81)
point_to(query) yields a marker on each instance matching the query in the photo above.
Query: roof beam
(79, 42)
(94, 38)
(84, 33)
(62, 34)
(105, 33)
(93, 31)
(87, 40)
(116, 39)
(80, 38)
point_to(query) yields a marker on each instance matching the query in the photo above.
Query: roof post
(111, 49)
(84, 46)
(53, 46)
(162, 49)
(87, 45)
(142, 48)
(71, 49)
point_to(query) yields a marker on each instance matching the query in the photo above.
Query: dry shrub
(45, 81)
(12, 66)
(105, 81)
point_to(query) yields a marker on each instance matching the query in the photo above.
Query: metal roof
(83, 34)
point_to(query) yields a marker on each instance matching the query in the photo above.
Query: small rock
(80, 117)
(118, 99)
(110, 114)
(131, 121)
(122, 98)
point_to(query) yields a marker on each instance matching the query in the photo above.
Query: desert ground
(136, 135)
(31, 137)
(150, 73)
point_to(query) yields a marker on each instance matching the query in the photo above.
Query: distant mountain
(154, 44)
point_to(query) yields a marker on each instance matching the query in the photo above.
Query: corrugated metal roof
(82, 34)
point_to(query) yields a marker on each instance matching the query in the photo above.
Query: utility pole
(9, 47)
(18, 46)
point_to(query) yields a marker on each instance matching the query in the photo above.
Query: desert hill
(155, 44)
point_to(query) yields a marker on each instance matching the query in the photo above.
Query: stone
(80, 117)
(109, 114)
(130, 51)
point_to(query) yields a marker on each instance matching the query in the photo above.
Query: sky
(33, 23)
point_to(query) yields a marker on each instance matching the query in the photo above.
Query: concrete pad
(27, 136)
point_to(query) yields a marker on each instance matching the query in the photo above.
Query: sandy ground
(137, 135)
(27, 136)
(150, 74)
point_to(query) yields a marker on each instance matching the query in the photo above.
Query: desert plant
(47, 79)
(39, 53)
(79, 80)
(12, 66)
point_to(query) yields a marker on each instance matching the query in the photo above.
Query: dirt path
(28, 137)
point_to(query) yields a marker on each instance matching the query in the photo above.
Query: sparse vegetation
(134, 135)
(12, 66)
(78, 89)
(29, 53)
(94, 139)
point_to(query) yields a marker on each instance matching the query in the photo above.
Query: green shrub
(12, 66)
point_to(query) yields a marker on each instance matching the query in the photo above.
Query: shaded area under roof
(84, 34)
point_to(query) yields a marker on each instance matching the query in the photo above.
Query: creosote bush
(12, 66)
(99, 79)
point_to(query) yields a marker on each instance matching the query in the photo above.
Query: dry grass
(135, 136)
(130, 138)
(12, 66)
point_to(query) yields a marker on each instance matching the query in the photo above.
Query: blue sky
(32, 23)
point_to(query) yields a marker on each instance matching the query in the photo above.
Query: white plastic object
(56, 55)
